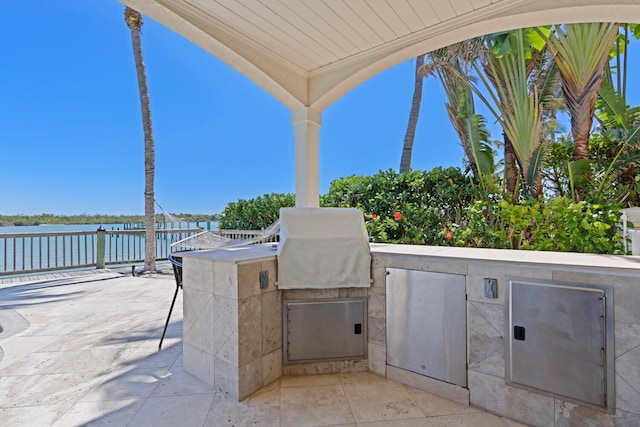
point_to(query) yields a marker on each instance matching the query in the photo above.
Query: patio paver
(87, 355)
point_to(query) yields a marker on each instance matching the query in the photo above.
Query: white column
(306, 129)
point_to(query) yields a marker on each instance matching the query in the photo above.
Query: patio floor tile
(101, 413)
(314, 406)
(90, 357)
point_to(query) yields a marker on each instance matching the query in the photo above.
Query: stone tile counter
(232, 318)
(233, 325)
(485, 319)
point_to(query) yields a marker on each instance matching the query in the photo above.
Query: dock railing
(23, 253)
(247, 234)
(26, 253)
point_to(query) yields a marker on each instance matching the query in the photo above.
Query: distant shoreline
(85, 219)
(52, 228)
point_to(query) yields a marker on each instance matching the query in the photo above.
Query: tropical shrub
(255, 214)
(608, 170)
(413, 207)
(558, 224)
(438, 208)
(411, 224)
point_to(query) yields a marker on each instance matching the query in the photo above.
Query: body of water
(93, 227)
(29, 253)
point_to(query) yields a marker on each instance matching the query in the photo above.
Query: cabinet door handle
(518, 333)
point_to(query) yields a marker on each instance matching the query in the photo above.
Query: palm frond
(613, 111)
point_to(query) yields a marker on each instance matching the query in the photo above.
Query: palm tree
(546, 80)
(470, 127)
(133, 20)
(615, 117)
(581, 55)
(509, 60)
(620, 124)
(409, 136)
(451, 65)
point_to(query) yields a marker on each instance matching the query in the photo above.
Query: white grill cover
(323, 248)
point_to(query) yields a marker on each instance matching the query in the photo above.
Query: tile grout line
(346, 398)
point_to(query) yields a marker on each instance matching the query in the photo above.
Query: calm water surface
(42, 252)
(86, 227)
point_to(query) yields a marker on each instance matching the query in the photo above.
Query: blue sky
(71, 137)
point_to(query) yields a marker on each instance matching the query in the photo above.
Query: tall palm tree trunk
(133, 20)
(407, 147)
(510, 169)
(581, 56)
(582, 106)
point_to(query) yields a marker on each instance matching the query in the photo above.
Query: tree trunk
(582, 110)
(510, 170)
(538, 186)
(582, 119)
(134, 22)
(580, 78)
(407, 147)
(627, 177)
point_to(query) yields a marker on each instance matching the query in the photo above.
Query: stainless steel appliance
(426, 324)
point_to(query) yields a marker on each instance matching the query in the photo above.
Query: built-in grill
(323, 248)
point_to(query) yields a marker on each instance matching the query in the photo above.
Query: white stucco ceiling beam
(284, 80)
(309, 53)
(329, 83)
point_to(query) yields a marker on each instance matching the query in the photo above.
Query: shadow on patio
(89, 357)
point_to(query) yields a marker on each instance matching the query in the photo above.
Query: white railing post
(625, 232)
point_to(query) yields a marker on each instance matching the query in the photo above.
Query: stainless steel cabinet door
(426, 324)
(324, 329)
(557, 340)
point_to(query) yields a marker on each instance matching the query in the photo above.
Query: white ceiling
(311, 52)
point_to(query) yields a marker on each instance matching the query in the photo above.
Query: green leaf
(614, 112)
(499, 43)
(577, 171)
(537, 37)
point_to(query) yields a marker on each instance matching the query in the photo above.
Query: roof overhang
(308, 53)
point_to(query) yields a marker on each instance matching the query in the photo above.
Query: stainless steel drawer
(324, 329)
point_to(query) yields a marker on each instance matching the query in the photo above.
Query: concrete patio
(82, 349)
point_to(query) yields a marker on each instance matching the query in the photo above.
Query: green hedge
(255, 214)
(414, 207)
(438, 207)
(558, 224)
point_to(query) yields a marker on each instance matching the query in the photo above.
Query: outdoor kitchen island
(233, 333)
(232, 330)
(551, 338)
(234, 321)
